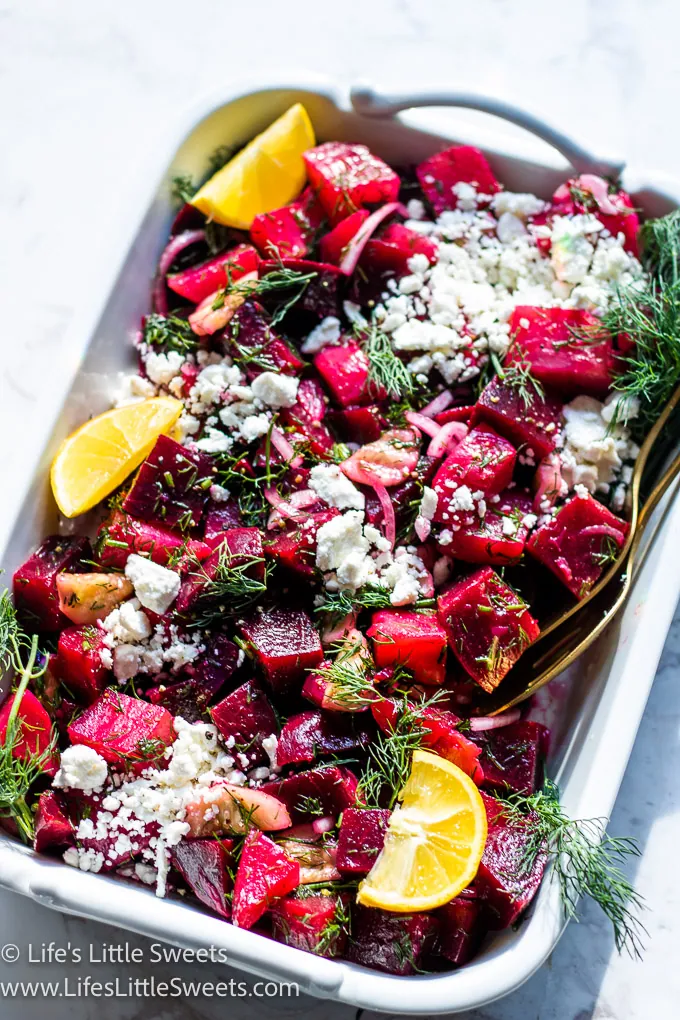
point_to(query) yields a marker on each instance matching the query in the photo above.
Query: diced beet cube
(460, 931)
(463, 414)
(488, 625)
(247, 717)
(78, 662)
(483, 462)
(321, 294)
(358, 424)
(503, 880)
(333, 246)
(220, 517)
(204, 865)
(546, 339)
(171, 486)
(198, 282)
(103, 835)
(416, 641)
(361, 838)
(288, 232)
(215, 666)
(511, 757)
(591, 194)
(440, 734)
(531, 424)
(294, 545)
(326, 790)
(33, 731)
(396, 943)
(185, 698)
(35, 582)
(391, 251)
(120, 535)
(240, 547)
(264, 874)
(579, 543)
(312, 923)
(346, 177)
(126, 731)
(498, 537)
(311, 400)
(344, 369)
(459, 164)
(309, 735)
(285, 644)
(251, 331)
(306, 416)
(53, 829)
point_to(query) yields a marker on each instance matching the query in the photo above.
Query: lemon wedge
(434, 842)
(265, 175)
(97, 457)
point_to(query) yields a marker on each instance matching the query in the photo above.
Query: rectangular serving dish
(601, 699)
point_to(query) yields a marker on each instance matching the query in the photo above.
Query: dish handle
(368, 102)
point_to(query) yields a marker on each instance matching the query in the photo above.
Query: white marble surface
(87, 88)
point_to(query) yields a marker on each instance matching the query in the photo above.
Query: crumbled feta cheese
(335, 488)
(127, 623)
(132, 389)
(155, 586)
(81, 768)
(428, 503)
(415, 209)
(162, 368)
(270, 745)
(462, 499)
(211, 383)
(254, 426)
(327, 332)
(275, 390)
(219, 494)
(594, 450)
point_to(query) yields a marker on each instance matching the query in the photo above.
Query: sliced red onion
(494, 722)
(388, 512)
(280, 504)
(304, 832)
(298, 500)
(176, 245)
(325, 824)
(282, 446)
(358, 242)
(447, 439)
(599, 189)
(439, 404)
(602, 529)
(422, 422)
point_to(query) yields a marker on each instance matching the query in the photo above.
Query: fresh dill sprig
(347, 674)
(230, 590)
(660, 240)
(386, 371)
(279, 281)
(519, 378)
(17, 775)
(183, 189)
(219, 158)
(585, 860)
(170, 333)
(339, 604)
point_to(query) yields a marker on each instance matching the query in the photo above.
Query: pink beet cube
(250, 330)
(546, 339)
(198, 282)
(294, 545)
(128, 732)
(346, 177)
(326, 790)
(205, 865)
(289, 231)
(458, 164)
(416, 641)
(120, 535)
(238, 547)
(530, 424)
(312, 923)
(33, 731)
(581, 541)
(358, 424)
(35, 582)
(482, 462)
(488, 539)
(395, 943)
(171, 486)
(362, 837)
(264, 874)
(247, 716)
(344, 369)
(285, 643)
(488, 625)
(78, 662)
(391, 251)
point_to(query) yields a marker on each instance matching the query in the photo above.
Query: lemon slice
(265, 175)
(434, 841)
(98, 456)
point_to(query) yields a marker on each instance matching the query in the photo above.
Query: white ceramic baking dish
(600, 701)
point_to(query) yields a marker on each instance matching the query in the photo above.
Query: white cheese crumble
(155, 586)
(162, 368)
(327, 332)
(275, 390)
(132, 646)
(594, 449)
(335, 488)
(81, 768)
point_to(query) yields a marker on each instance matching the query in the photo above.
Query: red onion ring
(280, 504)
(282, 446)
(494, 722)
(357, 244)
(439, 404)
(325, 824)
(172, 249)
(388, 512)
(422, 422)
(447, 439)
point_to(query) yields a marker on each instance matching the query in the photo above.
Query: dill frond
(386, 370)
(231, 590)
(170, 333)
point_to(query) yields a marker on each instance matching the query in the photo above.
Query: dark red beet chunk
(247, 716)
(215, 666)
(309, 735)
(33, 731)
(440, 734)
(35, 582)
(395, 246)
(358, 424)
(53, 829)
(238, 547)
(306, 416)
(204, 865)
(294, 546)
(487, 539)
(531, 426)
(289, 231)
(545, 339)
(320, 296)
(455, 165)
(395, 943)
(502, 880)
(344, 369)
(264, 874)
(121, 535)
(78, 662)
(285, 644)
(198, 282)
(184, 698)
(346, 177)
(488, 625)
(361, 838)
(312, 923)
(460, 931)
(327, 790)
(579, 543)
(126, 731)
(220, 517)
(511, 757)
(251, 330)
(171, 486)
(483, 461)
(414, 640)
